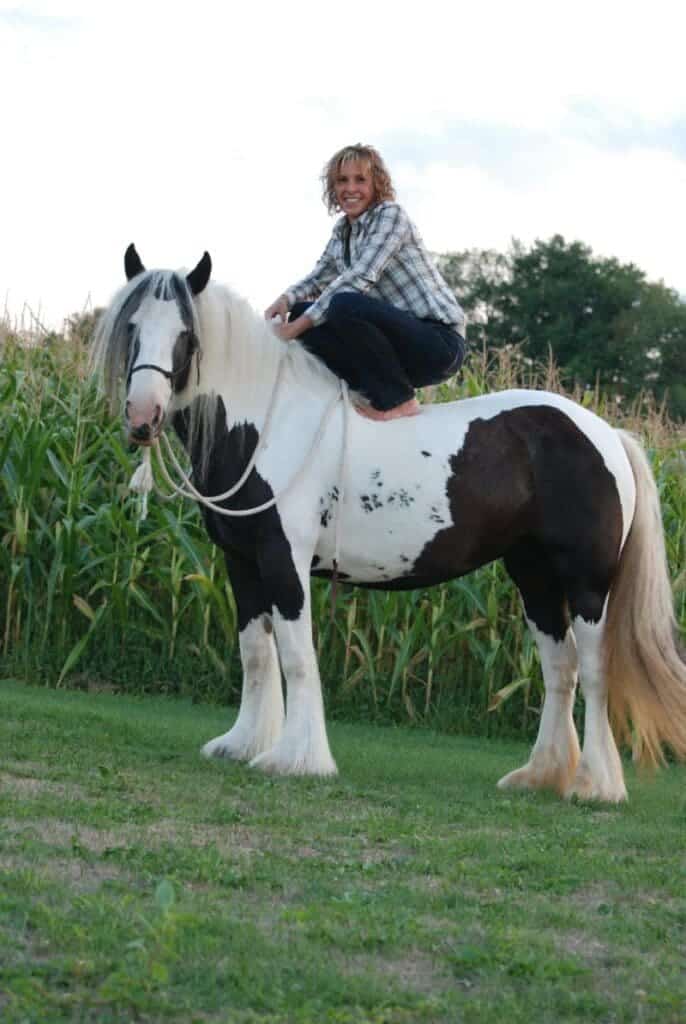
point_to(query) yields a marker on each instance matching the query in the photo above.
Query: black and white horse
(567, 501)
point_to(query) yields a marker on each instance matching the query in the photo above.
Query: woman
(375, 309)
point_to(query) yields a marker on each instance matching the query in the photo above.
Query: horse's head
(157, 325)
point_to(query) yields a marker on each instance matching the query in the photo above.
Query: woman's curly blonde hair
(383, 186)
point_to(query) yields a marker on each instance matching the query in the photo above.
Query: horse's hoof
(520, 778)
(274, 762)
(542, 773)
(584, 787)
(223, 746)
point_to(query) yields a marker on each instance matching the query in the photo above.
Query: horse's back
(535, 411)
(437, 495)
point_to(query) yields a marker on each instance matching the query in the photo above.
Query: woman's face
(354, 188)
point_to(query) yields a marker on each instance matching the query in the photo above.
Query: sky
(195, 126)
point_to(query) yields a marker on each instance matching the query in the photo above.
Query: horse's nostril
(142, 433)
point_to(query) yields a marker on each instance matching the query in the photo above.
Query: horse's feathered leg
(260, 718)
(261, 714)
(599, 775)
(556, 751)
(303, 747)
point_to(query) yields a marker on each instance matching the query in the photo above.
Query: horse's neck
(258, 376)
(241, 356)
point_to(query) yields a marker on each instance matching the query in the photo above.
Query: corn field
(92, 597)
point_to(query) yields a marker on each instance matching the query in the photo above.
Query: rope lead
(142, 482)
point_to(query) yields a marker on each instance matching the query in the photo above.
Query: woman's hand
(277, 308)
(293, 329)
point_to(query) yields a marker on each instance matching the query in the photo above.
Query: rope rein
(190, 491)
(143, 480)
(342, 477)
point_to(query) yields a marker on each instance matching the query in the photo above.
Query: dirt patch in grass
(592, 896)
(81, 876)
(24, 767)
(230, 840)
(598, 898)
(227, 839)
(355, 853)
(653, 898)
(414, 972)
(583, 946)
(386, 853)
(84, 876)
(58, 833)
(27, 786)
(362, 814)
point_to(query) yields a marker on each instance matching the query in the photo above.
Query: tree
(602, 320)
(476, 275)
(658, 323)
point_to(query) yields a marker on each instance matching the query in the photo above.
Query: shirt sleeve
(315, 283)
(387, 233)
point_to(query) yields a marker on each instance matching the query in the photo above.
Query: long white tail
(645, 671)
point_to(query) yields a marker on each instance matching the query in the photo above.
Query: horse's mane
(228, 330)
(233, 334)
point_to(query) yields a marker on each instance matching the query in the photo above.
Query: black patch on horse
(530, 478)
(178, 290)
(258, 554)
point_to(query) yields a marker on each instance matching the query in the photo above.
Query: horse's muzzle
(144, 426)
(142, 435)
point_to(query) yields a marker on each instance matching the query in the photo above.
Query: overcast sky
(194, 126)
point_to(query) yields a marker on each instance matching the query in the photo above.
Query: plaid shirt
(387, 260)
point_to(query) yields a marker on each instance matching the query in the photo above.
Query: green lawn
(141, 883)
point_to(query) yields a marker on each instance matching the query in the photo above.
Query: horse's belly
(382, 532)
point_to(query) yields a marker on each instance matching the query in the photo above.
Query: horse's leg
(303, 747)
(556, 751)
(599, 774)
(261, 714)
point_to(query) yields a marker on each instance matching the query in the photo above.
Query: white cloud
(185, 127)
(621, 204)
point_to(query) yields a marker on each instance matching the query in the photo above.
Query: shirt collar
(341, 225)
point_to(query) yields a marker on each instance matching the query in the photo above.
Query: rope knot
(142, 481)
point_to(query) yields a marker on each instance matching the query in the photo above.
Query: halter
(171, 375)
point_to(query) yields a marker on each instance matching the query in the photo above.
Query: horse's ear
(132, 263)
(198, 278)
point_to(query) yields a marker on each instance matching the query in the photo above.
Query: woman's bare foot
(409, 408)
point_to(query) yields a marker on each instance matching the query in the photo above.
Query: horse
(567, 501)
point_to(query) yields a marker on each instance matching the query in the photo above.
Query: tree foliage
(602, 320)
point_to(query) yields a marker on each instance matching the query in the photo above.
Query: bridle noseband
(171, 375)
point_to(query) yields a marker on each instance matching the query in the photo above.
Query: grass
(139, 882)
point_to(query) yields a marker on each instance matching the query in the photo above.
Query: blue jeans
(382, 352)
